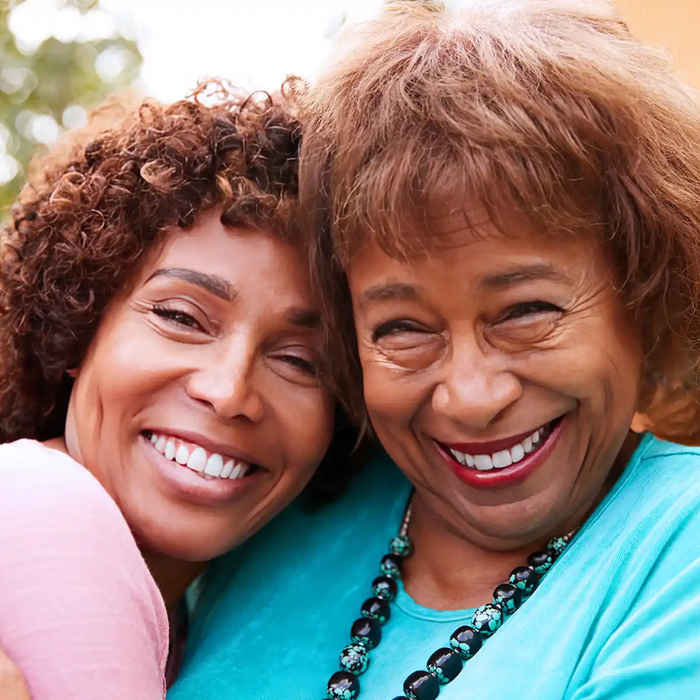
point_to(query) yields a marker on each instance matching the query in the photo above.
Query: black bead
(420, 685)
(366, 631)
(376, 609)
(509, 596)
(445, 664)
(401, 697)
(524, 578)
(541, 562)
(392, 565)
(343, 685)
(385, 588)
(466, 641)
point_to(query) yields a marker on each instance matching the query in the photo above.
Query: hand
(12, 685)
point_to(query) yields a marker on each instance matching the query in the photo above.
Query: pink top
(79, 612)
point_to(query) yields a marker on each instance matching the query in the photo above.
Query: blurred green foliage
(46, 89)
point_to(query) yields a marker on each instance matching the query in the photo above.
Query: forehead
(462, 250)
(245, 258)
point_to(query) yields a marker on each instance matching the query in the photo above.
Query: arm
(79, 613)
(12, 685)
(655, 653)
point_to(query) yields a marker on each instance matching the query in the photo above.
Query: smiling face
(500, 374)
(197, 406)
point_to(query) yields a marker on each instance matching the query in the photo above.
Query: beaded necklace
(445, 664)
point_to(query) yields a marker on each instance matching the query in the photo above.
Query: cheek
(305, 429)
(392, 396)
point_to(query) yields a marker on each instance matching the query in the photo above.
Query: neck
(449, 572)
(473, 571)
(172, 576)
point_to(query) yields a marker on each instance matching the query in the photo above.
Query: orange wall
(674, 24)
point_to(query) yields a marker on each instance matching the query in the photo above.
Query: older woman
(159, 391)
(511, 202)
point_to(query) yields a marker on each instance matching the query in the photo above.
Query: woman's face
(500, 374)
(197, 406)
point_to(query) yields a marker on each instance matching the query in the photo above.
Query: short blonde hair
(550, 108)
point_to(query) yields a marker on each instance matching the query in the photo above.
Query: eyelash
(529, 308)
(301, 364)
(179, 318)
(393, 327)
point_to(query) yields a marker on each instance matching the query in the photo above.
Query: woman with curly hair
(160, 393)
(507, 236)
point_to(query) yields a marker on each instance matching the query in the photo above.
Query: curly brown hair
(97, 203)
(547, 107)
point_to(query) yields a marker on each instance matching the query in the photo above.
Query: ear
(640, 423)
(72, 373)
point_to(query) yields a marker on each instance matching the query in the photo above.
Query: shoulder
(42, 485)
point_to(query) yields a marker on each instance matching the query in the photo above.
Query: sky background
(254, 43)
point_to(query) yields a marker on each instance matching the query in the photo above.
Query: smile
(503, 462)
(208, 464)
(502, 458)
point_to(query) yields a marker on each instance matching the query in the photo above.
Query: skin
(218, 335)
(492, 334)
(12, 685)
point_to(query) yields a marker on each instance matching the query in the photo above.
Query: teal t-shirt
(618, 616)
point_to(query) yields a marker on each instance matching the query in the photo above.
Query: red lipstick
(507, 476)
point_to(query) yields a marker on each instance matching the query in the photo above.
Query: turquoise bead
(487, 619)
(355, 659)
(401, 545)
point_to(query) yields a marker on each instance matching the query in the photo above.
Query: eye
(529, 308)
(300, 363)
(395, 327)
(177, 317)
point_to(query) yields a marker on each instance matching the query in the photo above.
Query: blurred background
(59, 58)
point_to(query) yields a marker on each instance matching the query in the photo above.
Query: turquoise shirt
(618, 616)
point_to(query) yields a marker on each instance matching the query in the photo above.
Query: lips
(502, 462)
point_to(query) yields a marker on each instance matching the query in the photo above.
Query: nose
(476, 387)
(227, 385)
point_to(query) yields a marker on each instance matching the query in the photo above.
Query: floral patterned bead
(343, 685)
(488, 619)
(355, 659)
(401, 545)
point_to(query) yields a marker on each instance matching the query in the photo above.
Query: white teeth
(197, 460)
(227, 469)
(210, 467)
(483, 462)
(215, 464)
(182, 455)
(239, 471)
(517, 453)
(502, 459)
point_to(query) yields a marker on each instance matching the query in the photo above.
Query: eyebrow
(212, 283)
(304, 318)
(527, 273)
(394, 291)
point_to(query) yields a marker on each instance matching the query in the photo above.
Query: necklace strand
(445, 664)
